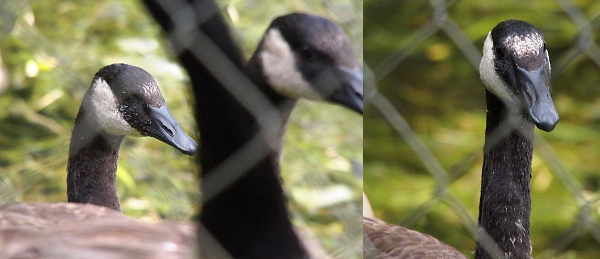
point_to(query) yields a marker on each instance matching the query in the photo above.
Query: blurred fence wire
(443, 26)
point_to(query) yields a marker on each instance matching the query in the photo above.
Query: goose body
(74, 230)
(515, 70)
(383, 240)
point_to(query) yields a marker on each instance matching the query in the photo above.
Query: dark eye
(125, 96)
(307, 52)
(498, 52)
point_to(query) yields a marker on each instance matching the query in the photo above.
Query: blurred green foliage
(50, 51)
(439, 93)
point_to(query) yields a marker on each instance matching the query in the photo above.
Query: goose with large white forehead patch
(516, 68)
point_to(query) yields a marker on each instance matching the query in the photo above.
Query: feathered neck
(248, 217)
(505, 203)
(92, 164)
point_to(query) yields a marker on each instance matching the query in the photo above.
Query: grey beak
(536, 96)
(166, 129)
(350, 94)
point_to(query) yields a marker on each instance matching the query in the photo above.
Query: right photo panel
(481, 129)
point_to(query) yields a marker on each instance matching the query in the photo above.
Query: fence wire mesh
(323, 142)
(425, 120)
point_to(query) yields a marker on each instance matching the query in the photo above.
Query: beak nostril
(167, 129)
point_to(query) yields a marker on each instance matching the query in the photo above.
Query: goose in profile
(307, 56)
(122, 100)
(515, 70)
(300, 56)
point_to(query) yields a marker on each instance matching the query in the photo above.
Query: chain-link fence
(323, 141)
(425, 120)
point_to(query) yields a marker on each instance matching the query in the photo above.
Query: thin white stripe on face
(487, 72)
(279, 67)
(101, 105)
(548, 61)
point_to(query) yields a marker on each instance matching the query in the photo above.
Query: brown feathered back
(383, 240)
(71, 230)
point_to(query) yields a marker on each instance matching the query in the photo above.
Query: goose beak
(536, 96)
(350, 94)
(166, 129)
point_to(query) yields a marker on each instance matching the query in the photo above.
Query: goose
(293, 60)
(515, 70)
(300, 55)
(122, 100)
(307, 56)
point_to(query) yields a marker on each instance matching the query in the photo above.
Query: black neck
(284, 105)
(249, 217)
(505, 203)
(92, 165)
(251, 213)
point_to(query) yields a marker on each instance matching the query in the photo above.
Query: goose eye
(125, 97)
(307, 52)
(498, 52)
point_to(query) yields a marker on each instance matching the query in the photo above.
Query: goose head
(125, 100)
(516, 68)
(307, 56)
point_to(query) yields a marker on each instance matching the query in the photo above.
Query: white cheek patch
(487, 72)
(279, 67)
(548, 61)
(101, 106)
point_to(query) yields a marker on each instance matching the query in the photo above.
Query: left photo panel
(181, 129)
